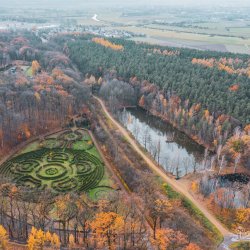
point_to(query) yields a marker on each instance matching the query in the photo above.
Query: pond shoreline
(164, 119)
(182, 154)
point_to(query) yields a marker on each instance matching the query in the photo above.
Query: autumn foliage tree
(159, 210)
(106, 227)
(169, 239)
(142, 101)
(243, 218)
(107, 43)
(35, 67)
(160, 240)
(38, 239)
(192, 246)
(65, 209)
(71, 241)
(3, 238)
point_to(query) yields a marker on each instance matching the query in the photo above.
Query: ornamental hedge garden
(65, 162)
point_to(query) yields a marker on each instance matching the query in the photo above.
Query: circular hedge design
(61, 169)
(71, 136)
(51, 171)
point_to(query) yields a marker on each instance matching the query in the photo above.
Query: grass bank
(213, 232)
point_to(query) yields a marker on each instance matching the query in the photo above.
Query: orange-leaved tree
(167, 238)
(36, 239)
(4, 239)
(192, 246)
(106, 227)
(35, 67)
(243, 218)
(142, 101)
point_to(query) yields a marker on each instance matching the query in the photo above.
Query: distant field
(223, 29)
(180, 30)
(191, 40)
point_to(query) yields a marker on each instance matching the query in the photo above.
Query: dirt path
(179, 187)
(116, 176)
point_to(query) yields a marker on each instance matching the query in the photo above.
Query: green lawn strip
(94, 152)
(82, 145)
(30, 147)
(240, 245)
(106, 180)
(29, 71)
(196, 213)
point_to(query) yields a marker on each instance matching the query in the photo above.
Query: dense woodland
(39, 88)
(207, 98)
(175, 73)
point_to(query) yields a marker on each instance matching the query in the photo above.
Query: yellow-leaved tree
(38, 239)
(55, 241)
(71, 241)
(4, 239)
(35, 67)
(243, 218)
(106, 227)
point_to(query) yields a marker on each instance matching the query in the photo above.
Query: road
(172, 182)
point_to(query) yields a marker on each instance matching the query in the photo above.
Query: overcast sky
(119, 3)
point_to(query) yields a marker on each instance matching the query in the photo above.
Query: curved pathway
(175, 184)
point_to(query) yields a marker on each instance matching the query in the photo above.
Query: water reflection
(174, 151)
(182, 155)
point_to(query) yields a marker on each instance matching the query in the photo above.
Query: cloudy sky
(108, 3)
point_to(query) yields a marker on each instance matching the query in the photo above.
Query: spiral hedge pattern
(63, 169)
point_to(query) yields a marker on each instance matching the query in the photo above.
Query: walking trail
(179, 187)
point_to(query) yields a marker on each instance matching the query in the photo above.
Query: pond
(172, 149)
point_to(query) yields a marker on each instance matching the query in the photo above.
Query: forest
(175, 73)
(35, 97)
(204, 94)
